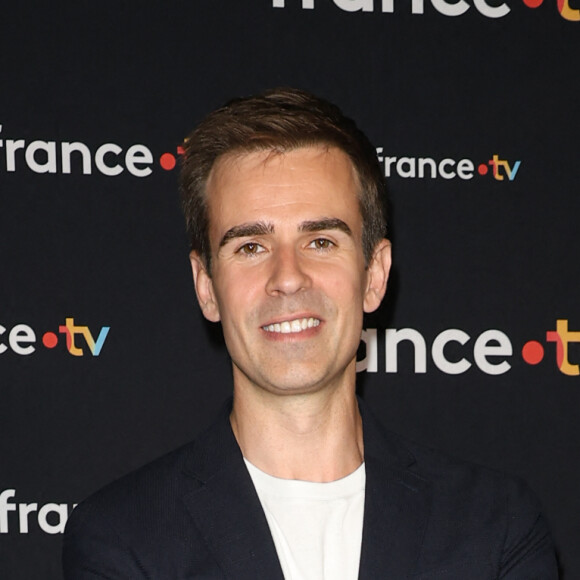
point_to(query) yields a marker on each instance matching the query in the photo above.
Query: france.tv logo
(74, 157)
(444, 7)
(491, 352)
(21, 339)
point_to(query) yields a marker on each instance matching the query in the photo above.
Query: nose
(288, 274)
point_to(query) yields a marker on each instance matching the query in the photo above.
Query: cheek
(237, 293)
(344, 284)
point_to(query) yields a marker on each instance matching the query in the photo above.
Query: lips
(292, 326)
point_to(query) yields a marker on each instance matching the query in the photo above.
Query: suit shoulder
(451, 474)
(153, 487)
(457, 478)
(475, 513)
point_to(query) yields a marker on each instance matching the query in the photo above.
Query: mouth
(292, 326)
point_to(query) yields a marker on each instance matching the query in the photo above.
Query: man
(283, 202)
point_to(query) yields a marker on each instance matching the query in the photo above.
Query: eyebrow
(263, 228)
(247, 230)
(325, 224)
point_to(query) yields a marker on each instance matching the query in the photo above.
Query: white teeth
(292, 326)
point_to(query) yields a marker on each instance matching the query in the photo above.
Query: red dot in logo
(167, 161)
(533, 352)
(533, 3)
(49, 339)
(482, 169)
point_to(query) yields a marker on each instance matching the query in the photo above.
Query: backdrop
(105, 361)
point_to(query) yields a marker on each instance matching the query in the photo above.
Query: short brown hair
(279, 120)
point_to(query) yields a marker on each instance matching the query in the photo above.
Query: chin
(296, 385)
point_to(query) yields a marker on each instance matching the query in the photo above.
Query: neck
(313, 437)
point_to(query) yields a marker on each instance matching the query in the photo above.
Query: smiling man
(283, 198)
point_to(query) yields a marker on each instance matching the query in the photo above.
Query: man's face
(288, 280)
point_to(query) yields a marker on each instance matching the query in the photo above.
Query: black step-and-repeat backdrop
(105, 361)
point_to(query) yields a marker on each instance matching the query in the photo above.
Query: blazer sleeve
(528, 552)
(93, 549)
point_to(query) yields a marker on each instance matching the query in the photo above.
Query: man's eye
(321, 244)
(250, 249)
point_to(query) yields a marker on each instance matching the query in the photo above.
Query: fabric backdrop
(105, 361)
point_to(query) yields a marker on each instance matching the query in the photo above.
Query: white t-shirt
(316, 527)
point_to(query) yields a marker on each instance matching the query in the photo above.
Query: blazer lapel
(226, 509)
(397, 505)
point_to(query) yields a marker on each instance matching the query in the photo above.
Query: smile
(291, 326)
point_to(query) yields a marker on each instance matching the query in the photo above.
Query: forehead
(316, 179)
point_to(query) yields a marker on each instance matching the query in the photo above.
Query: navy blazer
(195, 514)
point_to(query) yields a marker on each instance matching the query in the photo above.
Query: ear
(204, 288)
(377, 276)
